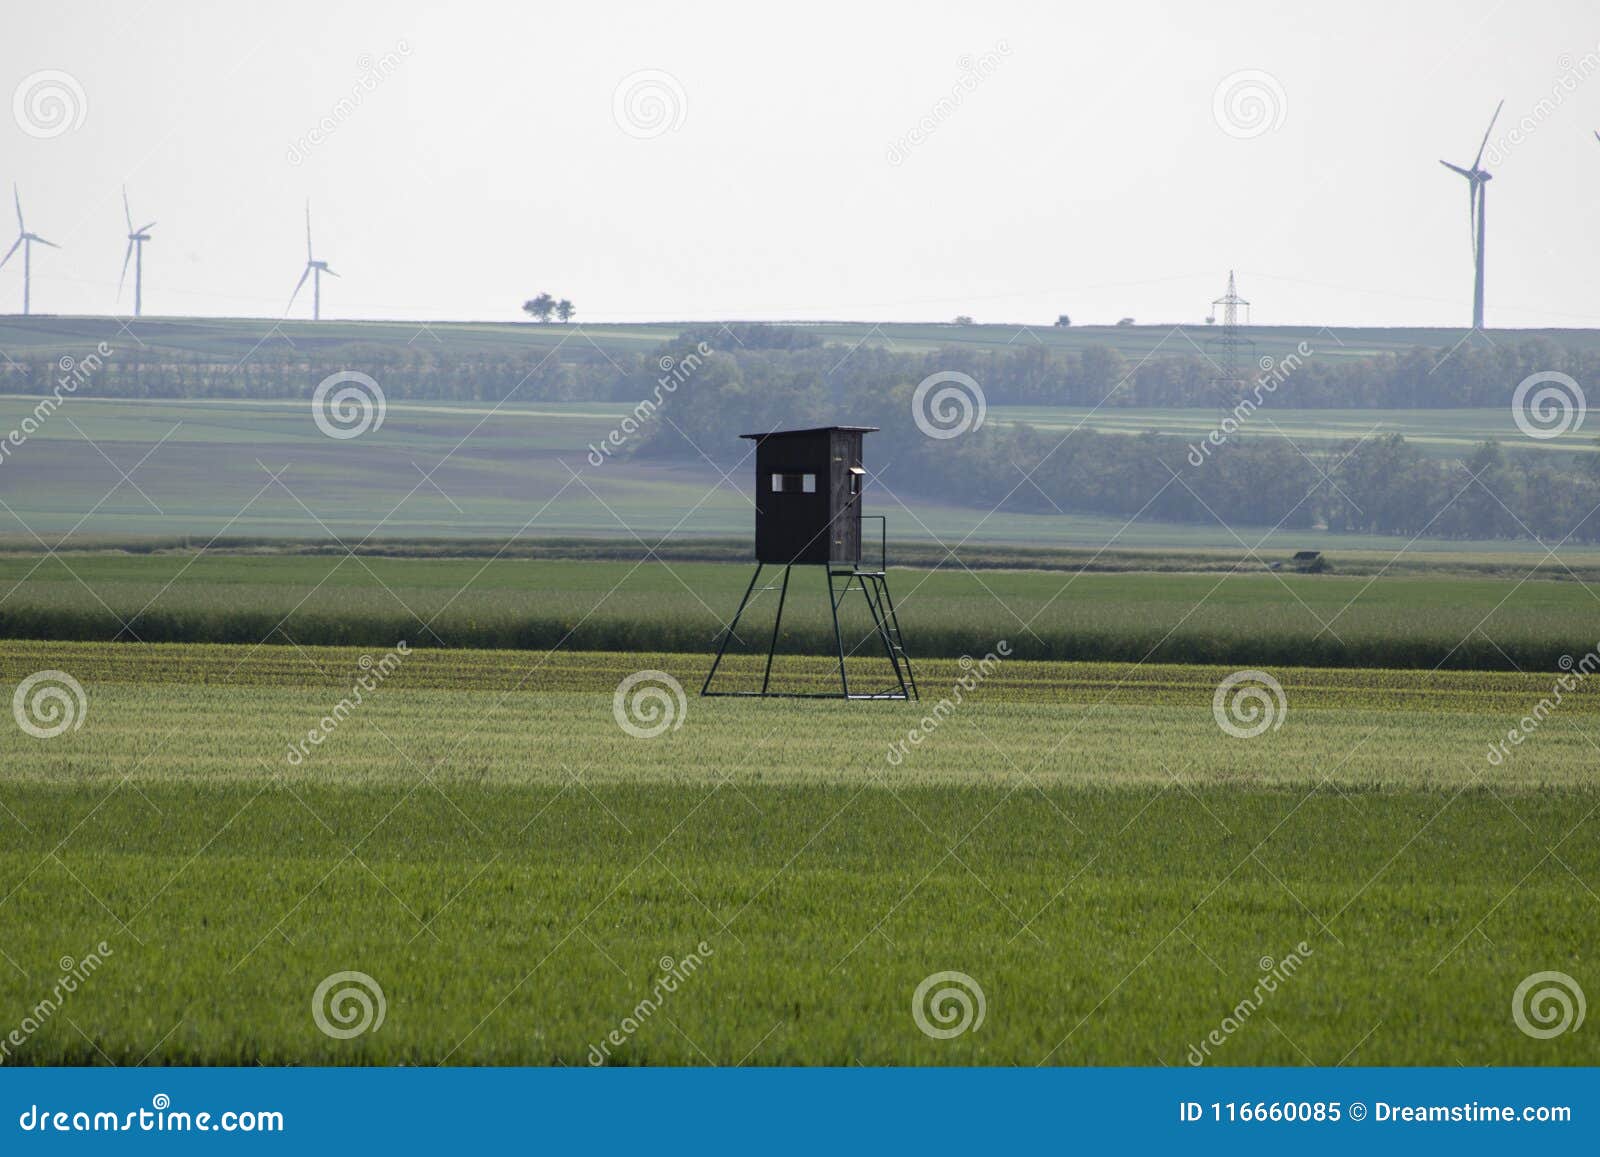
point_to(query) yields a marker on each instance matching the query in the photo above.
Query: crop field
(421, 709)
(483, 839)
(235, 338)
(261, 468)
(1416, 620)
(203, 468)
(1445, 433)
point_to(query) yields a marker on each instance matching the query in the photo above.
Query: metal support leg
(772, 647)
(838, 636)
(728, 634)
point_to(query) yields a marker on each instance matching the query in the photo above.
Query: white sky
(1087, 174)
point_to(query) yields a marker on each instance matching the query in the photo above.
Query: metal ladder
(880, 604)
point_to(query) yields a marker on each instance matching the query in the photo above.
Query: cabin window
(795, 483)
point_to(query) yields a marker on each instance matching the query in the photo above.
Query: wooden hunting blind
(809, 486)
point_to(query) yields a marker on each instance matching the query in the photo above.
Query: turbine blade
(126, 257)
(9, 252)
(329, 272)
(21, 228)
(1486, 133)
(1467, 173)
(127, 212)
(146, 228)
(297, 287)
(308, 229)
(42, 241)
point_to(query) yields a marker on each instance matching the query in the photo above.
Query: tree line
(1381, 485)
(792, 357)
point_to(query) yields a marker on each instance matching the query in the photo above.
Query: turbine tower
(314, 270)
(26, 240)
(136, 239)
(1477, 179)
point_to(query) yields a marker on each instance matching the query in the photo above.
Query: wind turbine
(1477, 178)
(314, 270)
(26, 240)
(136, 239)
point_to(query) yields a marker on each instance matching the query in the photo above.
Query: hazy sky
(1084, 166)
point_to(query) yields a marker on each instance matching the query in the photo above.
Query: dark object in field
(808, 495)
(1310, 562)
(808, 513)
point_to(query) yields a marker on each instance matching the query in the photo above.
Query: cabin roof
(811, 430)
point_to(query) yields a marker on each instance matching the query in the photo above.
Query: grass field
(236, 338)
(483, 840)
(1416, 620)
(226, 467)
(1443, 433)
(225, 826)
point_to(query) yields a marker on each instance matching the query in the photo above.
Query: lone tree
(1063, 321)
(565, 309)
(540, 307)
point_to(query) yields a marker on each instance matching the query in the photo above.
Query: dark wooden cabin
(808, 495)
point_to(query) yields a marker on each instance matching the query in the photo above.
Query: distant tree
(1063, 321)
(1102, 368)
(565, 309)
(963, 319)
(540, 307)
(1124, 321)
(1211, 319)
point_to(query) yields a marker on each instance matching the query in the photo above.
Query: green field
(1446, 433)
(201, 468)
(236, 338)
(1416, 620)
(483, 840)
(1072, 826)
